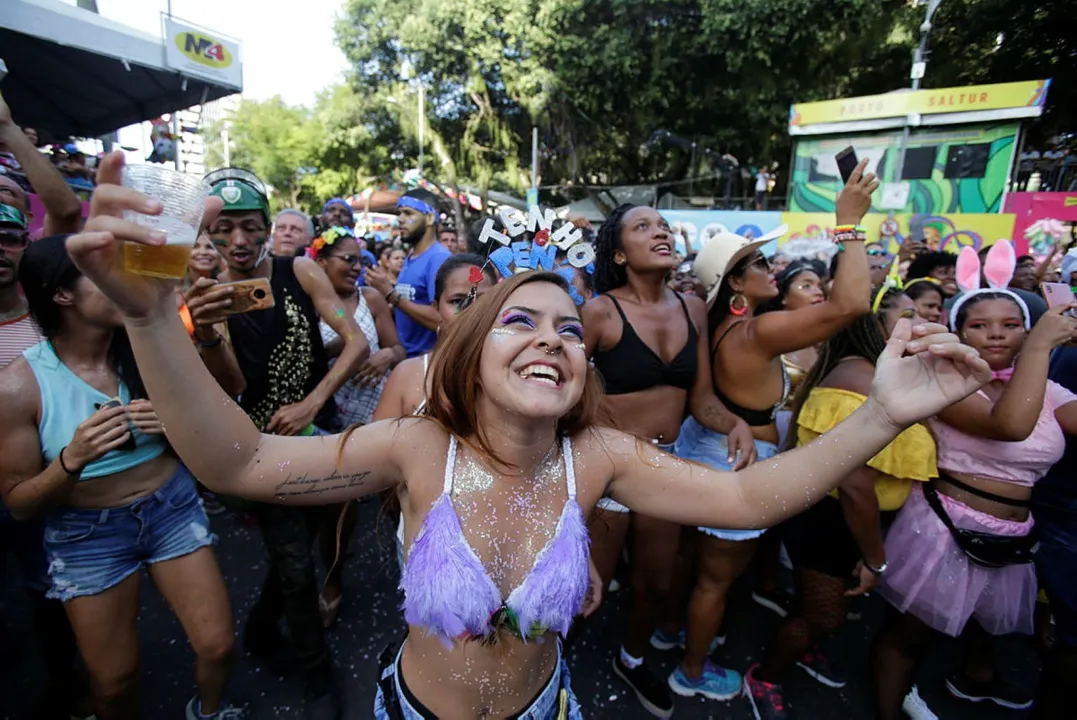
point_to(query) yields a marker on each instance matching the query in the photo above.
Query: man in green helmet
(274, 361)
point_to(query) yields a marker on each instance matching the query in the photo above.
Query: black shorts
(819, 539)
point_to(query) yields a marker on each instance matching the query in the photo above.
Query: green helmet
(239, 190)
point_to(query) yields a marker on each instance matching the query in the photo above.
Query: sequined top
(279, 350)
(449, 592)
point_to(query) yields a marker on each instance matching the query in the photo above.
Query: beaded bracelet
(851, 228)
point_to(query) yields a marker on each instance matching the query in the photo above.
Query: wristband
(211, 344)
(60, 458)
(393, 298)
(876, 571)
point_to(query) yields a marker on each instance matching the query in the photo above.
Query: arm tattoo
(304, 485)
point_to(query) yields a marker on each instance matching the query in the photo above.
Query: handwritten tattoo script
(306, 486)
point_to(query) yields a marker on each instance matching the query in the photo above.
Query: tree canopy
(601, 78)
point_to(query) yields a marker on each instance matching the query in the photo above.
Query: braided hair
(865, 338)
(608, 274)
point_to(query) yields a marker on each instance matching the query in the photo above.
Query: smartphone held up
(847, 162)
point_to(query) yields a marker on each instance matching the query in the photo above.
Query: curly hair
(924, 263)
(608, 274)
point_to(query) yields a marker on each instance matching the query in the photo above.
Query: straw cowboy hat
(722, 252)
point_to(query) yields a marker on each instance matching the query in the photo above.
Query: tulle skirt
(930, 577)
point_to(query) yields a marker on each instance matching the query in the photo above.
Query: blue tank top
(67, 401)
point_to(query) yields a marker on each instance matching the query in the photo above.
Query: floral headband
(328, 237)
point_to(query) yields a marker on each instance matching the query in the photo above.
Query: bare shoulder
(697, 309)
(854, 375)
(597, 308)
(19, 392)
(604, 447)
(374, 300)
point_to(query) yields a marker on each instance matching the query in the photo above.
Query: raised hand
(854, 201)
(96, 250)
(1055, 327)
(923, 370)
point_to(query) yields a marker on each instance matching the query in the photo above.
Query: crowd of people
(664, 422)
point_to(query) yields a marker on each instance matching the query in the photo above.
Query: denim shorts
(705, 446)
(611, 505)
(92, 550)
(545, 706)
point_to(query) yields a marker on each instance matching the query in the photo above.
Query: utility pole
(919, 68)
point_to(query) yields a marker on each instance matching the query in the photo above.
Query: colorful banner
(948, 232)
(1033, 207)
(699, 226)
(1000, 96)
(815, 180)
(939, 232)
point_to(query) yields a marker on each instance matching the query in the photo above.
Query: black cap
(45, 264)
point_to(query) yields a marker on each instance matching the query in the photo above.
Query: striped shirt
(15, 336)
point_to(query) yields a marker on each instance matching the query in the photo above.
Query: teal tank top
(67, 401)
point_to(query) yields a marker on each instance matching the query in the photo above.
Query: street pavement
(370, 618)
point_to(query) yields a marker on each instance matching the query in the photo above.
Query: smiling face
(533, 359)
(646, 242)
(1024, 277)
(204, 260)
(994, 327)
(947, 277)
(806, 288)
(342, 262)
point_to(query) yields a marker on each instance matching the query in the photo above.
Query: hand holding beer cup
(98, 249)
(183, 198)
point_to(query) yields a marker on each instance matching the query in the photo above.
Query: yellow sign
(939, 232)
(204, 50)
(923, 102)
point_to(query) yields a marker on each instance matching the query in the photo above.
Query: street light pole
(919, 66)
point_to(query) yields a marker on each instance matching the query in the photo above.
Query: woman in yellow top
(838, 542)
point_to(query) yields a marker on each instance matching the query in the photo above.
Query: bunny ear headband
(997, 270)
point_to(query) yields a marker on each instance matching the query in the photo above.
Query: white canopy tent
(73, 72)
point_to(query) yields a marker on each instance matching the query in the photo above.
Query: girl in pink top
(961, 548)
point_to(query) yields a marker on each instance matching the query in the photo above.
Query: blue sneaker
(715, 683)
(660, 640)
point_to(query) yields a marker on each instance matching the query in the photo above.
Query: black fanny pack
(985, 549)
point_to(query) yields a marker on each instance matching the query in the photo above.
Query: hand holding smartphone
(1055, 294)
(847, 162)
(246, 296)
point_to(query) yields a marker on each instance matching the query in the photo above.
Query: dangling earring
(738, 311)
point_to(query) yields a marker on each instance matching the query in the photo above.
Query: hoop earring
(738, 311)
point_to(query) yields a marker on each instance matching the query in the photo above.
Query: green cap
(12, 216)
(238, 196)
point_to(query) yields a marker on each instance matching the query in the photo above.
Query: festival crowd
(883, 425)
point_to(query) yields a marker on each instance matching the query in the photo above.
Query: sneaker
(766, 699)
(819, 667)
(716, 683)
(777, 601)
(997, 691)
(651, 692)
(914, 706)
(661, 640)
(228, 712)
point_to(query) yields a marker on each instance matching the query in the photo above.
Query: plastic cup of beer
(184, 199)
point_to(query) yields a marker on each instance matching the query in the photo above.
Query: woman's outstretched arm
(211, 434)
(939, 372)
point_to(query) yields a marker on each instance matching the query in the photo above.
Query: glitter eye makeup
(510, 317)
(572, 329)
(501, 332)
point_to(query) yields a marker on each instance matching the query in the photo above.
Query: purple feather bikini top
(448, 592)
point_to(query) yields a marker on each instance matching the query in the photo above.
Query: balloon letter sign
(518, 254)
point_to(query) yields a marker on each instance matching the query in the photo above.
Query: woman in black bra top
(751, 381)
(649, 345)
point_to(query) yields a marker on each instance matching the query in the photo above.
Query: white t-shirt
(762, 179)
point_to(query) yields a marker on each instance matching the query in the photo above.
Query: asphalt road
(370, 619)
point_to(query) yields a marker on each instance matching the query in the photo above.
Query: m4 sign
(204, 50)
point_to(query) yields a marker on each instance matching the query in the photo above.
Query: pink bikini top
(1020, 463)
(448, 592)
